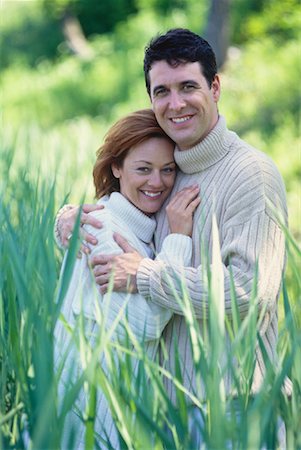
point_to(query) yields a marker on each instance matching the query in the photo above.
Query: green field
(55, 114)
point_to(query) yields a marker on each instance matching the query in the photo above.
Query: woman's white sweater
(146, 319)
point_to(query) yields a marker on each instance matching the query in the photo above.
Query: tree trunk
(217, 29)
(75, 37)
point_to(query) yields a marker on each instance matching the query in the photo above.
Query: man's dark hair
(179, 46)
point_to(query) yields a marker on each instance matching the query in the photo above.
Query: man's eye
(160, 92)
(189, 87)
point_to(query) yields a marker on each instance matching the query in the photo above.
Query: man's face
(184, 105)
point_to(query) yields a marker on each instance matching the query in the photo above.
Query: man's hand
(123, 267)
(67, 220)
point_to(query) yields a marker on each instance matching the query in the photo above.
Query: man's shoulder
(254, 175)
(249, 159)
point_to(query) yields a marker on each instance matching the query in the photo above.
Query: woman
(133, 176)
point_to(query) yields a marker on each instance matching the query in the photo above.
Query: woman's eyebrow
(142, 161)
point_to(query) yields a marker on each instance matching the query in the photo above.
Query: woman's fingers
(181, 208)
(184, 197)
(89, 219)
(67, 221)
(88, 207)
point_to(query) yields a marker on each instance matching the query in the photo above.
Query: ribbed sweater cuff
(143, 276)
(176, 248)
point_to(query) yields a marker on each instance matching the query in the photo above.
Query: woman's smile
(147, 174)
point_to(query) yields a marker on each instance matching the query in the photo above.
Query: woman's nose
(156, 179)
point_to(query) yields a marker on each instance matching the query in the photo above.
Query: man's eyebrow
(181, 83)
(196, 83)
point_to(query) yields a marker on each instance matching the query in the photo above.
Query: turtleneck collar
(142, 225)
(209, 151)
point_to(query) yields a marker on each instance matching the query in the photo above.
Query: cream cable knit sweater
(146, 319)
(243, 188)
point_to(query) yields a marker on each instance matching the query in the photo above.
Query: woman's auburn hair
(121, 137)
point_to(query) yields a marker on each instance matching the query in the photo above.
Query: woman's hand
(66, 220)
(181, 208)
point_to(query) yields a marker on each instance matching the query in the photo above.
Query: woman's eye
(169, 170)
(143, 169)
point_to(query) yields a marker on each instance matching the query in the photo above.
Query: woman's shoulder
(103, 213)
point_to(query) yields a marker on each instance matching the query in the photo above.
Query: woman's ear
(115, 170)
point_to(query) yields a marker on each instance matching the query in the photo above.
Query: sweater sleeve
(176, 247)
(145, 319)
(250, 240)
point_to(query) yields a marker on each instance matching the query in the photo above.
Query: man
(238, 184)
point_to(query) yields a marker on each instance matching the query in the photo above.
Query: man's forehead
(163, 72)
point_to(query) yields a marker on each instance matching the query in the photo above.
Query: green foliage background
(56, 109)
(64, 104)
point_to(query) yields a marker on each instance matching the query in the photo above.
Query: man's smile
(180, 119)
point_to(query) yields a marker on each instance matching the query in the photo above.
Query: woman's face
(147, 174)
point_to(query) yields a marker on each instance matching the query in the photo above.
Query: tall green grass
(30, 416)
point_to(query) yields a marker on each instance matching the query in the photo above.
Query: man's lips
(181, 119)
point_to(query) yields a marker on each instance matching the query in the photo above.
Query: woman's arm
(65, 221)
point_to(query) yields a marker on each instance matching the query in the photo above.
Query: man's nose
(176, 101)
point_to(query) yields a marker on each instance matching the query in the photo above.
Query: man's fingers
(103, 289)
(101, 260)
(123, 243)
(102, 271)
(102, 280)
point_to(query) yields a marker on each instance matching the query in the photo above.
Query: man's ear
(115, 170)
(216, 88)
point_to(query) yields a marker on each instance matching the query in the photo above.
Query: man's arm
(252, 242)
(145, 319)
(252, 249)
(160, 279)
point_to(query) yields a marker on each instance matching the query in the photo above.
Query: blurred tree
(33, 30)
(217, 30)
(95, 17)
(83, 18)
(239, 21)
(163, 6)
(280, 19)
(27, 34)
